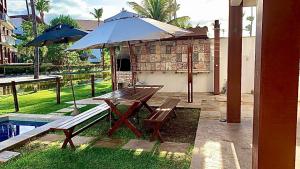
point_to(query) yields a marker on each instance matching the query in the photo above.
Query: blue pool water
(12, 128)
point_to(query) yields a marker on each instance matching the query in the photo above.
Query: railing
(8, 39)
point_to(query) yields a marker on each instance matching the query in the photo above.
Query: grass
(52, 157)
(44, 101)
(38, 155)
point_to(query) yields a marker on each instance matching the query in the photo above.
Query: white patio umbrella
(127, 26)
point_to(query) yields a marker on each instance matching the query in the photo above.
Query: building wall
(172, 56)
(7, 50)
(203, 81)
(18, 24)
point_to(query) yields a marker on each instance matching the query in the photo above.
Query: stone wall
(124, 77)
(172, 55)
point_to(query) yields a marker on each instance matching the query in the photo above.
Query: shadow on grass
(52, 157)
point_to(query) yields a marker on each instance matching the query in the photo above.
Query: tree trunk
(251, 23)
(42, 16)
(27, 7)
(36, 51)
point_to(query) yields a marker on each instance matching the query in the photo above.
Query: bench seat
(161, 115)
(69, 125)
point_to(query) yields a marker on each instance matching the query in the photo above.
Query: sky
(202, 12)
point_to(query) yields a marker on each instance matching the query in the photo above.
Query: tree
(43, 6)
(27, 8)
(64, 19)
(27, 53)
(36, 52)
(249, 27)
(56, 52)
(161, 10)
(97, 14)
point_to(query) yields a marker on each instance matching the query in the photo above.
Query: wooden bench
(160, 117)
(69, 125)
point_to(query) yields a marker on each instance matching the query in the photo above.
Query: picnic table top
(139, 93)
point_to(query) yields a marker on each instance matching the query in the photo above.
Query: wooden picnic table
(136, 97)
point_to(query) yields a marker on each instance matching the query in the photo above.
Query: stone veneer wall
(124, 77)
(172, 55)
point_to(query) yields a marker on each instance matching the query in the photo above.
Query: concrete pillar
(234, 64)
(276, 84)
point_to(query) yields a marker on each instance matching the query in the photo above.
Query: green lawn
(44, 101)
(37, 155)
(52, 157)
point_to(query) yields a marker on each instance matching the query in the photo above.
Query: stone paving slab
(7, 155)
(77, 140)
(139, 145)
(65, 110)
(172, 147)
(109, 143)
(57, 114)
(88, 101)
(79, 106)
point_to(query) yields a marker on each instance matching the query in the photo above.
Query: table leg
(123, 118)
(68, 134)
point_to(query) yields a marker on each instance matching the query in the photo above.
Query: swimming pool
(12, 128)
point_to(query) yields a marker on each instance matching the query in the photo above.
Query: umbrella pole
(75, 111)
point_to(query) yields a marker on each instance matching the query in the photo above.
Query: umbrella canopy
(127, 26)
(58, 34)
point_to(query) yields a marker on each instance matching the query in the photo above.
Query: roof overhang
(245, 3)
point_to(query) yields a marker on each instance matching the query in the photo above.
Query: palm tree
(36, 52)
(161, 10)
(27, 7)
(97, 14)
(43, 6)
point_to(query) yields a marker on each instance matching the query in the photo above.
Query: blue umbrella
(58, 34)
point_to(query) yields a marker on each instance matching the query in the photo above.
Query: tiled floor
(220, 145)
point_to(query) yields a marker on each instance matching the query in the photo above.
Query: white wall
(248, 62)
(203, 82)
(177, 82)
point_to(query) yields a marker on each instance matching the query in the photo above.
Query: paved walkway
(226, 146)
